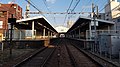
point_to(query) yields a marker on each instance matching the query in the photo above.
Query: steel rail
(95, 60)
(73, 61)
(23, 61)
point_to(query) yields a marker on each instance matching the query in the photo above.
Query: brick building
(6, 11)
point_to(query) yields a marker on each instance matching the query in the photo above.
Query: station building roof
(82, 21)
(40, 23)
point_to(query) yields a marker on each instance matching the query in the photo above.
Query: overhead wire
(74, 8)
(90, 2)
(70, 5)
(44, 1)
(104, 7)
(35, 7)
(86, 4)
(68, 10)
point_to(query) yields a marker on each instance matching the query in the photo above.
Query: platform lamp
(12, 21)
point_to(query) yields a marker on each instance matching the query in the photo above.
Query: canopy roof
(40, 23)
(84, 20)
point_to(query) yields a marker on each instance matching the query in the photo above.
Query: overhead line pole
(11, 44)
(95, 29)
(27, 9)
(34, 7)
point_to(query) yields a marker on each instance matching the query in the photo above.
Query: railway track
(60, 58)
(79, 59)
(65, 53)
(103, 62)
(73, 61)
(22, 58)
(38, 60)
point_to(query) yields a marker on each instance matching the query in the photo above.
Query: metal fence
(21, 35)
(91, 35)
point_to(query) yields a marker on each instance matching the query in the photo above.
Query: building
(101, 16)
(69, 24)
(6, 11)
(112, 10)
(117, 23)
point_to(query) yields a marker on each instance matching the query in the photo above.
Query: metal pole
(20, 35)
(74, 34)
(44, 33)
(2, 60)
(95, 35)
(93, 47)
(110, 47)
(100, 49)
(97, 12)
(79, 33)
(2, 47)
(94, 17)
(51, 34)
(33, 24)
(48, 33)
(27, 9)
(11, 38)
(90, 34)
(119, 55)
(110, 52)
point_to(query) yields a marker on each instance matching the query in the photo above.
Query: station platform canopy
(84, 22)
(40, 22)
